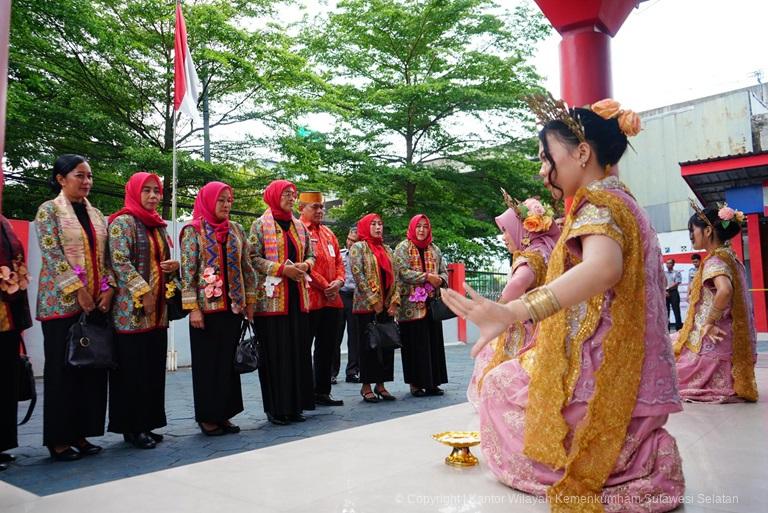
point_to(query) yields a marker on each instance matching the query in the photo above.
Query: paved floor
(184, 444)
(394, 466)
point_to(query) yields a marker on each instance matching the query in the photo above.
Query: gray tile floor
(184, 444)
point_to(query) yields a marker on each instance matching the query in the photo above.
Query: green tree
(409, 77)
(95, 77)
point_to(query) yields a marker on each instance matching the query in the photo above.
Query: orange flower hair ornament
(629, 121)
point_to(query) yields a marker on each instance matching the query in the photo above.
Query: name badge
(331, 251)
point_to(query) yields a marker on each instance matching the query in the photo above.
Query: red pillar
(456, 276)
(756, 267)
(585, 66)
(738, 245)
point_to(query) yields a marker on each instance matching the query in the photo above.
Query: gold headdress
(547, 109)
(725, 214)
(699, 212)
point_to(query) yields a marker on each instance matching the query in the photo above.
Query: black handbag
(175, 309)
(91, 343)
(383, 335)
(26, 384)
(439, 311)
(248, 352)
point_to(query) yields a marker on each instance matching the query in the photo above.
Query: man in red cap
(325, 305)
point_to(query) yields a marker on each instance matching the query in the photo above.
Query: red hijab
(132, 205)
(377, 246)
(272, 195)
(421, 244)
(205, 208)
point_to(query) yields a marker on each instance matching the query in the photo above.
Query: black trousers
(75, 400)
(9, 383)
(137, 387)
(673, 302)
(347, 321)
(373, 369)
(324, 327)
(215, 383)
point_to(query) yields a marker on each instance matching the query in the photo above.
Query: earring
(583, 164)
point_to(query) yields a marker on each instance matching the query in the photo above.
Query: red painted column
(456, 277)
(585, 66)
(756, 267)
(738, 245)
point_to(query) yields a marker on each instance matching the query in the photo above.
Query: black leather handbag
(26, 383)
(248, 352)
(382, 335)
(91, 343)
(175, 309)
(439, 311)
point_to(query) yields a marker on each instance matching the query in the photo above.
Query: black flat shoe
(435, 391)
(7, 458)
(156, 437)
(327, 400)
(86, 448)
(3, 466)
(69, 454)
(230, 429)
(140, 440)
(334, 380)
(218, 431)
(278, 420)
(353, 379)
(418, 392)
(384, 395)
(297, 417)
(369, 397)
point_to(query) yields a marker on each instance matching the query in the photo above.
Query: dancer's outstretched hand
(492, 318)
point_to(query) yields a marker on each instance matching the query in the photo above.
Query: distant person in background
(674, 279)
(347, 293)
(696, 261)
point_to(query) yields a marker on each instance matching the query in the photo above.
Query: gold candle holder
(461, 441)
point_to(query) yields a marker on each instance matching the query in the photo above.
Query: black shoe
(218, 431)
(7, 458)
(296, 417)
(69, 454)
(3, 466)
(278, 420)
(418, 392)
(369, 397)
(383, 394)
(353, 379)
(156, 437)
(327, 400)
(86, 448)
(435, 391)
(334, 381)
(139, 440)
(230, 429)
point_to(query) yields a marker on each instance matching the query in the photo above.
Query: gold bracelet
(714, 315)
(540, 303)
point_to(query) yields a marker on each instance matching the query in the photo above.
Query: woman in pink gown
(530, 250)
(582, 422)
(716, 347)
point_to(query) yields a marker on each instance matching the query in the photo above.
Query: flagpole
(171, 363)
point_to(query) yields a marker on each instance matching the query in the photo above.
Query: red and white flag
(187, 84)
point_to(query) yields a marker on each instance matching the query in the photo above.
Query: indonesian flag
(186, 81)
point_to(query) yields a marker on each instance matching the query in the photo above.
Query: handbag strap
(32, 401)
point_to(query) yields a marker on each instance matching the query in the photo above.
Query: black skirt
(287, 384)
(215, 383)
(9, 383)
(423, 353)
(75, 400)
(373, 369)
(137, 387)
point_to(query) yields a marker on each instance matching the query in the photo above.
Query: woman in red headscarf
(281, 253)
(219, 287)
(376, 296)
(422, 272)
(141, 259)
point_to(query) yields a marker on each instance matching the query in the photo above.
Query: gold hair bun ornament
(629, 121)
(699, 212)
(537, 216)
(547, 109)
